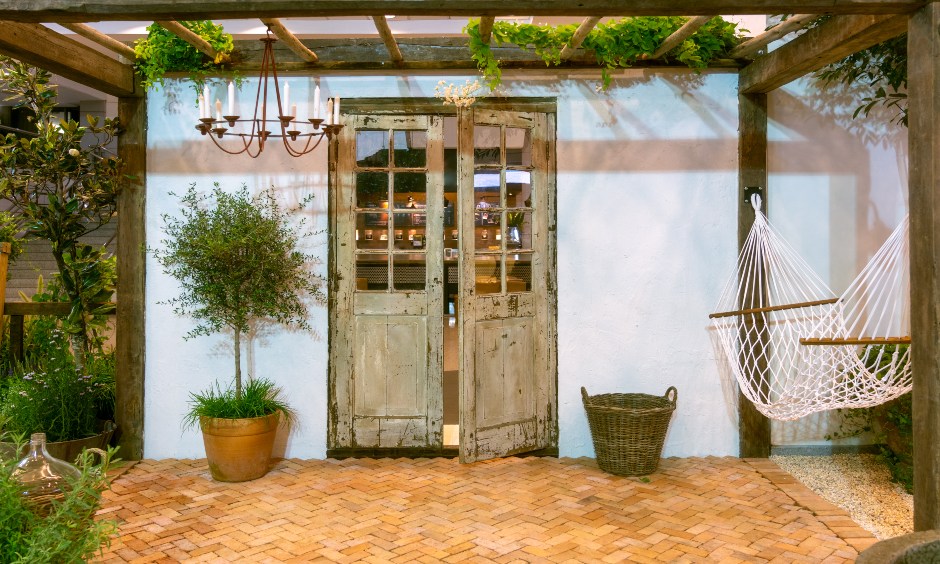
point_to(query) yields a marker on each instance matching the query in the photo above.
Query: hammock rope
(795, 348)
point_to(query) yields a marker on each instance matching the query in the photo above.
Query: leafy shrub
(46, 336)
(99, 278)
(55, 398)
(70, 533)
(62, 183)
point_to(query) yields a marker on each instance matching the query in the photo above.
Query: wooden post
(16, 337)
(753, 426)
(129, 409)
(923, 48)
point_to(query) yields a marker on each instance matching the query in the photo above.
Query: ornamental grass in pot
(235, 258)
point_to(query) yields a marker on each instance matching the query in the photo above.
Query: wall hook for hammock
(750, 192)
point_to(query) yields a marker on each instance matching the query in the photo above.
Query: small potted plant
(236, 260)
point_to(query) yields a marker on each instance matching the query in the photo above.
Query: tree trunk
(78, 341)
(238, 364)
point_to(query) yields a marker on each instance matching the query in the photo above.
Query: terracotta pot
(239, 449)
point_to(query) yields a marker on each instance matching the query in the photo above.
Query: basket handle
(675, 394)
(584, 395)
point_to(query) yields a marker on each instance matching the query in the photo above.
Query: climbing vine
(618, 44)
(163, 51)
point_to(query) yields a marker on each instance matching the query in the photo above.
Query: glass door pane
(502, 192)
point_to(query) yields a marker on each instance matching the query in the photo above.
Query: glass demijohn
(42, 477)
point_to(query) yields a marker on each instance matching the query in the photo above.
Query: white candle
(205, 94)
(329, 111)
(231, 98)
(293, 110)
(203, 111)
(286, 105)
(336, 110)
(316, 102)
(218, 109)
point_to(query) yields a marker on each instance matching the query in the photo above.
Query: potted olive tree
(236, 261)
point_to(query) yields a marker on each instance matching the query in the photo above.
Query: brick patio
(508, 510)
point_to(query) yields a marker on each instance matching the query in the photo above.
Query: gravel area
(860, 484)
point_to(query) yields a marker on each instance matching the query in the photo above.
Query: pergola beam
(793, 23)
(290, 40)
(818, 47)
(680, 35)
(486, 28)
(419, 53)
(385, 32)
(189, 36)
(579, 35)
(40, 46)
(105, 41)
(184, 10)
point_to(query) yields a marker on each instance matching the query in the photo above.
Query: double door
(443, 223)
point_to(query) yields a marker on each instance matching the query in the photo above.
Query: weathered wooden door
(386, 335)
(507, 295)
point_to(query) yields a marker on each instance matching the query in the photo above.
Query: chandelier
(299, 137)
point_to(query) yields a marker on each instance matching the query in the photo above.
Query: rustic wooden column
(132, 148)
(753, 426)
(923, 65)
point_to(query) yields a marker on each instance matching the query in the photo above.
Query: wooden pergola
(855, 25)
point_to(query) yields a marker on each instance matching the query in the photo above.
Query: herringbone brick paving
(507, 510)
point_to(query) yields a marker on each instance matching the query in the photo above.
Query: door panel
(391, 396)
(395, 360)
(508, 386)
(386, 336)
(503, 352)
(412, 303)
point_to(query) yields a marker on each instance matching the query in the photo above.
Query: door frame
(428, 106)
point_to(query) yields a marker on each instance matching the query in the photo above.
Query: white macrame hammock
(795, 348)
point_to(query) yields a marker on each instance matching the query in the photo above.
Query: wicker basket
(629, 429)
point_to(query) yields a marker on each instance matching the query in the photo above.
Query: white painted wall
(837, 189)
(647, 176)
